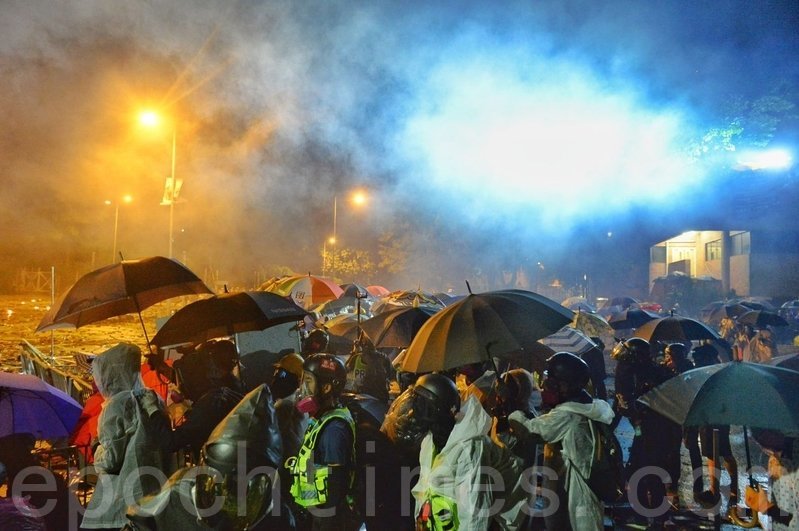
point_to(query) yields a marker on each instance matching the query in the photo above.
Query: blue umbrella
(30, 405)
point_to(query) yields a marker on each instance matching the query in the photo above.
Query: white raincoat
(124, 449)
(566, 427)
(455, 473)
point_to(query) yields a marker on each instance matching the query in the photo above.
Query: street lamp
(357, 198)
(125, 199)
(172, 188)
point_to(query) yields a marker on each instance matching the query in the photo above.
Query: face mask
(549, 398)
(308, 405)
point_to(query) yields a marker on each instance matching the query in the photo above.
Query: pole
(172, 198)
(334, 241)
(116, 227)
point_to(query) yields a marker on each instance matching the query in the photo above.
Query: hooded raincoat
(123, 448)
(455, 473)
(565, 428)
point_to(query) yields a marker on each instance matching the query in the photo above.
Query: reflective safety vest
(309, 484)
(438, 513)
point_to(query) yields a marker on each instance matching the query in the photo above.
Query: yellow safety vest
(309, 481)
(438, 513)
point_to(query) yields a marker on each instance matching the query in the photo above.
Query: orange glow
(149, 118)
(359, 198)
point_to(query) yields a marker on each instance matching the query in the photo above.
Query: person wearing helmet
(232, 488)
(633, 375)
(653, 440)
(369, 371)
(316, 342)
(450, 493)
(322, 471)
(567, 431)
(204, 376)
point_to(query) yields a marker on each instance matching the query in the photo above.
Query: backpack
(606, 478)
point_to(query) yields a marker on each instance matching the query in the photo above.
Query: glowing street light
(124, 199)
(172, 189)
(358, 198)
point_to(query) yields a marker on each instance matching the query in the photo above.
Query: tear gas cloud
(520, 132)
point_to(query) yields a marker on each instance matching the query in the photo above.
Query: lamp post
(125, 199)
(357, 198)
(172, 188)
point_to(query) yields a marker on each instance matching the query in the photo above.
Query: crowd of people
(328, 443)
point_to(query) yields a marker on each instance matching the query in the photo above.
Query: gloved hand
(149, 402)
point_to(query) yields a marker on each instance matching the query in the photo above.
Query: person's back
(567, 431)
(450, 492)
(123, 447)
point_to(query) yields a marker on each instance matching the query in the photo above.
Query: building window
(657, 255)
(713, 250)
(740, 243)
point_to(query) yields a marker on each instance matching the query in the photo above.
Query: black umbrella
(127, 287)
(481, 326)
(761, 319)
(674, 328)
(729, 311)
(397, 327)
(225, 315)
(631, 318)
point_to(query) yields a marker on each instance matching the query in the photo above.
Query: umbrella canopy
(786, 362)
(761, 319)
(568, 339)
(591, 324)
(30, 405)
(126, 287)
(406, 298)
(729, 311)
(377, 291)
(578, 303)
(344, 325)
(397, 327)
(355, 291)
(342, 305)
(225, 315)
(630, 318)
(306, 290)
(479, 326)
(674, 328)
(712, 396)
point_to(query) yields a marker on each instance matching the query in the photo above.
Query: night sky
(494, 134)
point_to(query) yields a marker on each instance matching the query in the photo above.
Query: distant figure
(369, 371)
(763, 346)
(316, 342)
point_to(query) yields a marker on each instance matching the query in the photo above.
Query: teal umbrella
(733, 393)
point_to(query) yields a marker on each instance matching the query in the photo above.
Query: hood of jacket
(118, 369)
(472, 421)
(598, 410)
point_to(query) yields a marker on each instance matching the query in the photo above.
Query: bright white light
(556, 140)
(772, 159)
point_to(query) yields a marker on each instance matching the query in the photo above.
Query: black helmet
(327, 369)
(635, 349)
(437, 396)
(316, 341)
(677, 351)
(568, 368)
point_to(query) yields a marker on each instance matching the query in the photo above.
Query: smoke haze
(496, 135)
